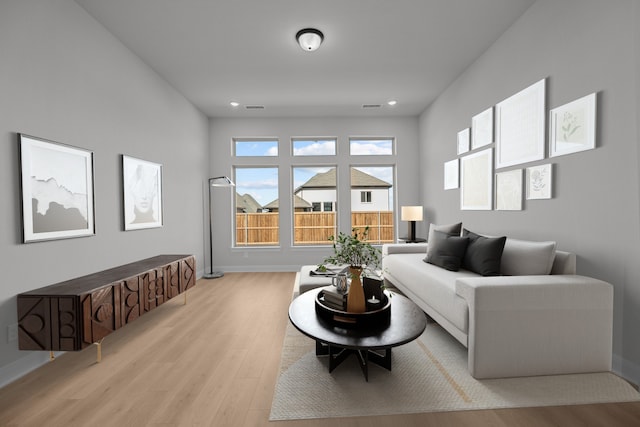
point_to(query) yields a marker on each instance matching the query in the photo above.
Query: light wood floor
(214, 362)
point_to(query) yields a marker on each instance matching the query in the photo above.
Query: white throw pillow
(525, 258)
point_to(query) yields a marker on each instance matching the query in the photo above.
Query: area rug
(429, 374)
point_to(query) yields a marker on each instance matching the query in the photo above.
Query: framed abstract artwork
(57, 190)
(463, 141)
(476, 180)
(142, 182)
(509, 190)
(539, 181)
(482, 129)
(451, 174)
(572, 127)
(520, 127)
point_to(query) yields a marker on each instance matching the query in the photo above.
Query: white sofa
(517, 325)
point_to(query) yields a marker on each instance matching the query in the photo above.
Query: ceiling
(374, 51)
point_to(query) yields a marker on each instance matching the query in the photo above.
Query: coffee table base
(337, 355)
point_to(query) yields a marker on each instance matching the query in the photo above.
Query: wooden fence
(310, 228)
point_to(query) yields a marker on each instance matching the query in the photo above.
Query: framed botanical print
(539, 181)
(57, 190)
(573, 127)
(451, 174)
(509, 190)
(482, 129)
(463, 140)
(142, 181)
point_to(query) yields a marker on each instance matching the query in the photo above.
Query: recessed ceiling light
(234, 103)
(392, 103)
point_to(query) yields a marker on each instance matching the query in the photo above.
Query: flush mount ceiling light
(309, 39)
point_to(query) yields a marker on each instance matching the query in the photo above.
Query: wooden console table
(74, 314)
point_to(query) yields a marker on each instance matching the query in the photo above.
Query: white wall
(285, 257)
(581, 46)
(63, 77)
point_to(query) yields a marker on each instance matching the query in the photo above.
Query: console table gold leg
(52, 356)
(98, 351)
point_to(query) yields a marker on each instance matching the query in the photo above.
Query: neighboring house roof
(299, 203)
(246, 203)
(327, 179)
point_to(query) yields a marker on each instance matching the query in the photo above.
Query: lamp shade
(221, 181)
(411, 213)
(309, 39)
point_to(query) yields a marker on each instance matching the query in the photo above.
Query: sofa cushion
(483, 254)
(450, 229)
(429, 285)
(525, 258)
(446, 251)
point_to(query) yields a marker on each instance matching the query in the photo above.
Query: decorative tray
(377, 315)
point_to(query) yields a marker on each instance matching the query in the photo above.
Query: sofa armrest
(403, 248)
(538, 325)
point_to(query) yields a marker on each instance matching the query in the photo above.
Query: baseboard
(21, 367)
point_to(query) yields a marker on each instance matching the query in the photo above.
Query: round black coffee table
(407, 322)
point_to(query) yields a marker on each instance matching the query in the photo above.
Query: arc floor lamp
(219, 181)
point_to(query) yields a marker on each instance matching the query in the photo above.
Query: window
(371, 146)
(314, 146)
(257, 210)
(314, 195)
(255, 147)
(372, 201)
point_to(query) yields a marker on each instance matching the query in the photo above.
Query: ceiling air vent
(371, 105)
(254, 107)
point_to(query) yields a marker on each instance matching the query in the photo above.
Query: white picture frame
(539, 182)
(476, 180)
(572, 126)
(57, 190)
(509, 190)
(482, 129)
(463, 140)
(520, 126)
(452, 174)
(142, 192)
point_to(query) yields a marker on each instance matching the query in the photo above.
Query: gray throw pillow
(450, 229)
(447, 251)
(524, 258)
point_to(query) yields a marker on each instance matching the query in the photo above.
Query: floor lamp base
(213, 275)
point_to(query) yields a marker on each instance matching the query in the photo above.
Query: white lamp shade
(221, 181)
(411, 213)
(309, 39)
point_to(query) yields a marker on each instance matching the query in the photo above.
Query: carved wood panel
(71, 315)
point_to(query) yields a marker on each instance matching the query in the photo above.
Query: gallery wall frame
(482, 129)
(142, 193)
(463, 140)
(476, 180)
(509, 190)
(539, 182)
(451, 174)
(520, 126)
(57, 190)
(572, 126)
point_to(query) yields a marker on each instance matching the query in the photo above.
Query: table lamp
(411, 214)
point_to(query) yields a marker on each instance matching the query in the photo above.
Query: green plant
(353, 249)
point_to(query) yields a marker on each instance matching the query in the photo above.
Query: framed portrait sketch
(482, 129)
(520, 127)
(463, 141)
(142, 182)
(57, 190)
(573, 127)
(539, 182)
(451, 174)
(509, 190)
(476, 177)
